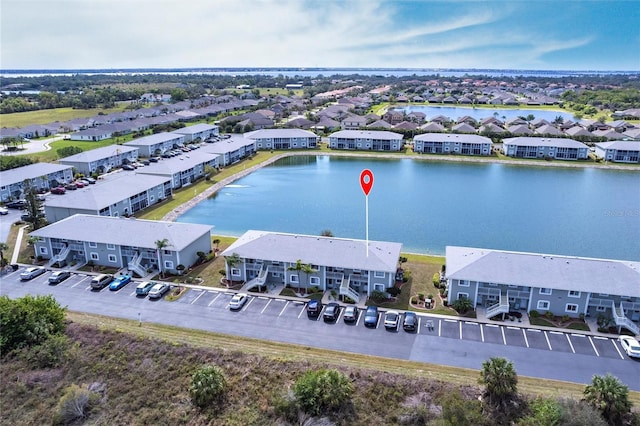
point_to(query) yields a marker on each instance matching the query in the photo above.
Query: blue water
(478, 113)
(429, 205)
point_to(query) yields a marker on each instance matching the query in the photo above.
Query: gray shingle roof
(279, 133)
(620, 145)
(533, 141)
(154, 139)
(366, 134)
(31, 171)
(196, 128)
(327, 251)
(451, 137)
(544, 271)
(121, 231)
(177, 164)
(99, 153)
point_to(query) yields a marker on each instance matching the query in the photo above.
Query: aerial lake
(427, 205)
(478, 113)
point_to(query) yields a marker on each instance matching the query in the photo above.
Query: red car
(58, 190)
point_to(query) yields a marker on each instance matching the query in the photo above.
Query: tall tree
(609, 396)
(161, 245)
(33, 207)
(3, 247)
(500, 380)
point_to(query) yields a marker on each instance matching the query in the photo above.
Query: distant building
(101, 160)
(448, 143)
(374, 140)
(196, 132)
(184, 169)
(42, 176)
(283, 138)
(557, 148)
(157, 144)
(231, 150)
(619, 151)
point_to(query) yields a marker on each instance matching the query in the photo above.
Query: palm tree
(500, 380)
(609, 396)
(217, 243)
(232, 261)
(160, 245)
(3, 247)
(302, 267)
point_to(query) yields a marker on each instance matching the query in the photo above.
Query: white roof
(451, 137)
(155, 139)
(31, 171)
(196, 128)
(170, 166)
(279, 133)
(620, 145)
(98, 153)
(366, 134)
(325, 251)
(121, 231)
(550, 142)
(225, 146)
(616, 277)
(108, 190)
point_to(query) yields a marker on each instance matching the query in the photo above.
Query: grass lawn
(52, 154)
(46, 116)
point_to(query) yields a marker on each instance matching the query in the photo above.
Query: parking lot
(270, 310)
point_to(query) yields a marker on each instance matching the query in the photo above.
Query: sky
(507, 34)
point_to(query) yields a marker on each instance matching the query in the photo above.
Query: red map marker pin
(366, 181)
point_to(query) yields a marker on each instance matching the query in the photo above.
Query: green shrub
(462, 305)
(414, 300)
(393, 291)
(406, 276)
(378, 296)
(430, 296)
(208, 386)
(49, 354)
(534, 314)
(323, 391)
(549, 314)
(436, 279)
(566, 318)
(542, 411)
(457, 411)
(76, 404)
(421, 296)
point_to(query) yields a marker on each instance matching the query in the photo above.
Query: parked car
(59, 190)
(391, 320)
(100, 281)
(158, 291)
(71, 186)
(119, 282)
(410, 321)
(313, 308)
(4, 211)
(90, 180)
(79, 184)
(144, 287)
(331, 312)
(371, 316)
(58, 276)
(128, 167)
(631, 346)
(237, 301)
(17, 204)
(84, 182)
(153, 159)
(31, 273)
(350, 314)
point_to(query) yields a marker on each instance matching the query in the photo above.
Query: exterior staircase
(622, 320)
(60, 257)
(502, 307)
(135, 266)
(346, 290)
(260, 280)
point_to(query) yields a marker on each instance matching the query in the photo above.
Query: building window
(275, 274)
(112, 258)
(93, 244)
(463, 295)
(111, 246)
(167, 252)
(378, 274)
(543, 305)
(463, 283)
(601, 308)
(43, 250)
(545, 291)
(571, 307)
(574, 293)
(94, 256)
(294, 278)
(168, 264)
(314, 280)
(235, 272)
(275, 263)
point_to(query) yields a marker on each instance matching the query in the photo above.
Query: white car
(158, 291)
(31, 273)
(237, 301)
(391, 319)
(4, 211)
(631, 346)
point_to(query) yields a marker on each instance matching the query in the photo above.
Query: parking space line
(339, 315)
(283, 308)
(482, 332)
(600, 338)
(491, 325)
(471, 322)
(79, 282)
(524, 333)
(546, 336)
(450, 320)
(570, 344)
(419, 322)
(555, 332)
(214, 299)
(593, 346)
(504, 339)
(460, 327)
(198, 296)
(264, 297)
(578, 335)
(265, 306)
(616, 346)
(513, 328)
(300, 314)
(378, 321)
(534, 330)
(358, 320)
(247, 304)
(439, 328)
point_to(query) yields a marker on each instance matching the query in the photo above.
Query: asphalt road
(571, 357)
